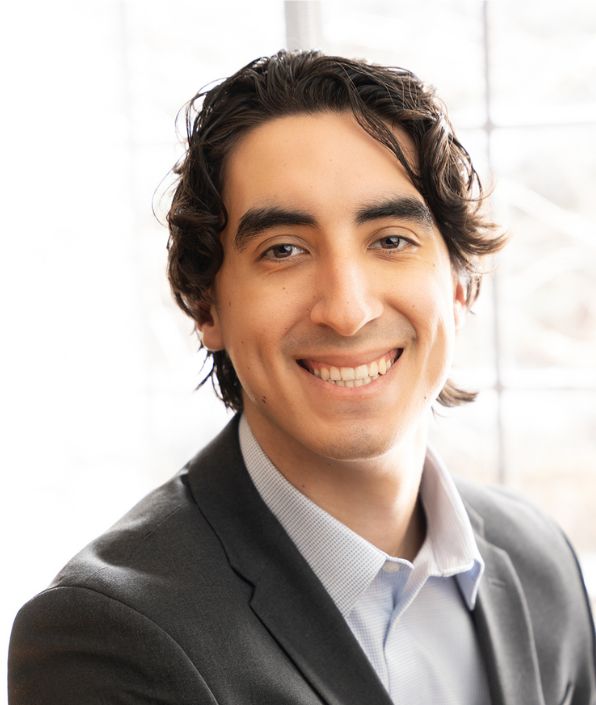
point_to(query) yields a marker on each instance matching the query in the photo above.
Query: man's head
(390, 105)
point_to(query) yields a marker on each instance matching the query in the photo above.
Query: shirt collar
(450, 546)
(345, 563)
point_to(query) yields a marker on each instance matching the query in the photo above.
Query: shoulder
(73, 644)
(151, 533)
(504, 517)
(527, 553)
(157, 538)
(164, 549)
(81, 633)
(540, 552)
(157, 577)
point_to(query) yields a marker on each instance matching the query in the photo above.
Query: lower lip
(361, 391)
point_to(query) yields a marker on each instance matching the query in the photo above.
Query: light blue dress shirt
(412, 620)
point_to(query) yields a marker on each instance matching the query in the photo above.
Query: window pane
(543, 60)
(548, 296)
(174, 49)
(551, 448)
(442, 44)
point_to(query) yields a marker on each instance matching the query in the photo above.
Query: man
(326, 235)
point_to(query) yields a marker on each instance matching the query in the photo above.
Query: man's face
(336, 302)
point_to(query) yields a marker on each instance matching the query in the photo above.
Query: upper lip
(351, 359)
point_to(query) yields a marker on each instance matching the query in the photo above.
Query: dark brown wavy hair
(290, 83)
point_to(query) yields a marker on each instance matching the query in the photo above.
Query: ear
(210, 330)
(460, 306)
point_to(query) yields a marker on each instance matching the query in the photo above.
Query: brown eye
(282, 251)
(391, 242)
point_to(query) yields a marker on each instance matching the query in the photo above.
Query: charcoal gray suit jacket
(198, 596)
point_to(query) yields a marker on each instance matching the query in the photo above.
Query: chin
(357, 445)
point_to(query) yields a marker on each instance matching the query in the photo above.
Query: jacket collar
(287, 597)
(503, 625)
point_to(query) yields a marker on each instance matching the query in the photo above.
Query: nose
(345, 298)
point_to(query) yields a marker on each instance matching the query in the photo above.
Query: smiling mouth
(352, 376)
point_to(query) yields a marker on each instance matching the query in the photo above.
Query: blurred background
(98, 366)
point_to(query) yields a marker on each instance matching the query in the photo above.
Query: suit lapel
(313, 633)
(504, 628)
(288, 598)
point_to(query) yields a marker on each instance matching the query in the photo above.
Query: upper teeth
(354, 376)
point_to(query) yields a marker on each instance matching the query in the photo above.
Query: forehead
(317, 159)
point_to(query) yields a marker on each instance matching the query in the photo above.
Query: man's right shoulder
(155, 539)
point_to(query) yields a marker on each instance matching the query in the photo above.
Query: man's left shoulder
(497, 503)
(503, 515)
(534, 542)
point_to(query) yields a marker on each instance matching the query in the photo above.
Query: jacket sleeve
(76, 646)
(584, 691)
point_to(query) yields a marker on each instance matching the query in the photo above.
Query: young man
(325, 236)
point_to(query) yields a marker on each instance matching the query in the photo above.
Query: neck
(378, 498)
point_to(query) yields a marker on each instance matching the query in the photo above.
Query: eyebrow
(256, 220)
(402, 207)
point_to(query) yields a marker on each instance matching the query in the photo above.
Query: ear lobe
(460, 306)
(210, 331)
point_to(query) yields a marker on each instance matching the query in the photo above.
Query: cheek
(441, 348)
(238, 308)
(429, 304)
(432, 317)
(253, 333)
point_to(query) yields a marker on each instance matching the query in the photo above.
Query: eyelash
(268, 254)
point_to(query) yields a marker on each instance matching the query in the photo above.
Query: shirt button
(390, 567)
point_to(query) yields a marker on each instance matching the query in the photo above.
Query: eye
(283, 250)
(391, 242)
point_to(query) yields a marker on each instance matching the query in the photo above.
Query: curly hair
(290, 83)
